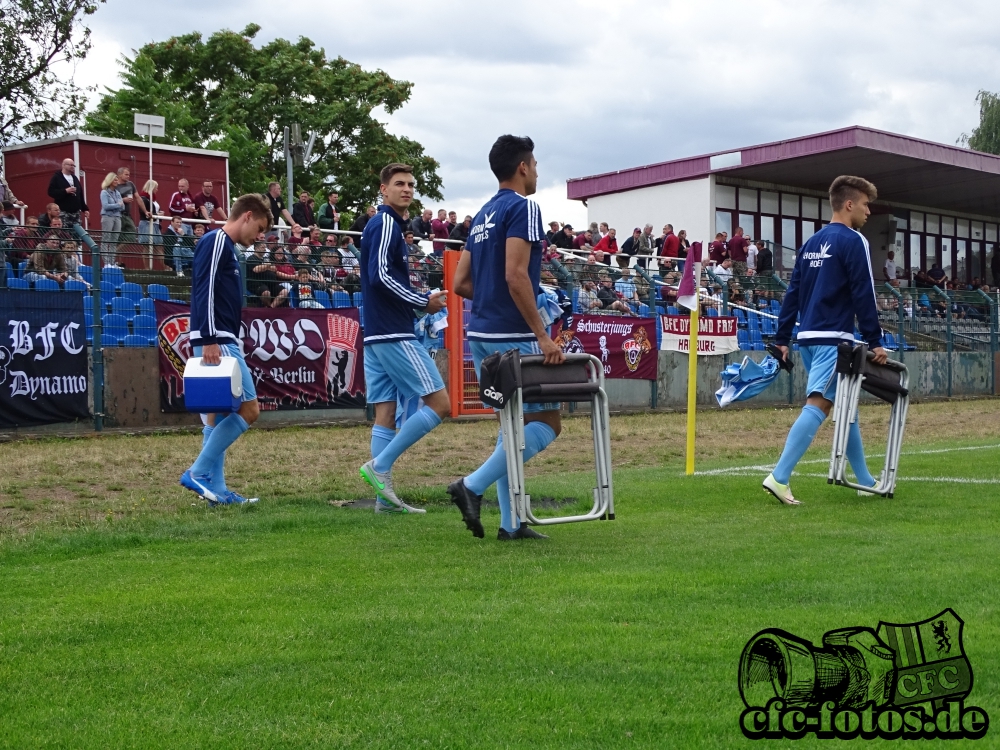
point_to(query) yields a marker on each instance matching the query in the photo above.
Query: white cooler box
(213, 388)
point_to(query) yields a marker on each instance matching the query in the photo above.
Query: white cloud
(603, 86)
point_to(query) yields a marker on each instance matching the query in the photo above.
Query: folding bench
(857, 372)
(508, 380)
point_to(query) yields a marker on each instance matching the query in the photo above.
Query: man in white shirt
(723, 272)
(889, 269)
(752, 251)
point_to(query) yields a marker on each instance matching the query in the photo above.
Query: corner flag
(687, 291)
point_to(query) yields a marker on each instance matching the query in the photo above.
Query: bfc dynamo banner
(300, 359)
(625, 346)
(715, 335)
(43, 358)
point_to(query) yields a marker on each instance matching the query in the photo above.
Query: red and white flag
(687, 292)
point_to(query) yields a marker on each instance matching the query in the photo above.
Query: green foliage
(34, 37)
(226, 93)
(986, 137)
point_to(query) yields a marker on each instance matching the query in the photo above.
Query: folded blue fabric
(745, 380)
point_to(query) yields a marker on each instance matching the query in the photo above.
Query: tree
(986, 137)
(227, 94)
(36, 35)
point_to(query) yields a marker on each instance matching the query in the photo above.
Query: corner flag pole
(687, 295)
(692, 376)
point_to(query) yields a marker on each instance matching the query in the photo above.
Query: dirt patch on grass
(90, 481)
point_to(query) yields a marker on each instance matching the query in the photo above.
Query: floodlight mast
(149, 126)
(296, 155)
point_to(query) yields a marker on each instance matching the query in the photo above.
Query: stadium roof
(904, 169)
(113, 142)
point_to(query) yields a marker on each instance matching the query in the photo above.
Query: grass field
(130, 617)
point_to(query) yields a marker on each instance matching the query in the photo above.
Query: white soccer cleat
(381, 482)
(782, 492)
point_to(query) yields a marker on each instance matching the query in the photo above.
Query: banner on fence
(626, 346)
(43, 372)
(715, 335)
(300, 359)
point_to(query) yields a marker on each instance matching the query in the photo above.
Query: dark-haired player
(216, 307)
(500, 271)
(394, 364)
(832, 284)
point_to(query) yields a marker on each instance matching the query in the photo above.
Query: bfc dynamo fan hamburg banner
(626, 346)
(715, 335)
(43, 371)
(300, 359)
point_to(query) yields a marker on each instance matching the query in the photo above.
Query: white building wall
(686, 205)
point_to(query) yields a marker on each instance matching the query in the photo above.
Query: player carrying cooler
(394, 363)
(216, 307)
(831, 285)
(500, 271)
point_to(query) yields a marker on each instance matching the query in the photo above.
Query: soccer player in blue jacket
(831, 286)
(395, 364)
(216, 308)
(500, 271)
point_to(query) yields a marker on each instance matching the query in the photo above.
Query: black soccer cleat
(469, 503)
(523, 532)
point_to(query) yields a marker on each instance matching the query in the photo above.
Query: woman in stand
(148, 208)
(112, 207)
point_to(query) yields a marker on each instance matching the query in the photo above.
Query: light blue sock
(537, 437)
(381, 437)
(223, 435)
(799, 439)
(415, 428)
(856, 455)
(218, 475)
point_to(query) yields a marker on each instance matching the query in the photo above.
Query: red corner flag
(687, 292)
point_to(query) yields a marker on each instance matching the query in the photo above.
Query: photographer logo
(898, 681)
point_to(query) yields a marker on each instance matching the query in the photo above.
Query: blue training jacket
(389, 300)
(831, 285)
(216, 291)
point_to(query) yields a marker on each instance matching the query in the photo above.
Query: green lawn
(299, 624)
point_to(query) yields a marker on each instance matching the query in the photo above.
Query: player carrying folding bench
(831, 286)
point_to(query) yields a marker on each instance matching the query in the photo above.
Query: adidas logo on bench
(494, 395)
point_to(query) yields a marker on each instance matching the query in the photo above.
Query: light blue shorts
(399, 368)
(235, 350)
(482, 349)
(821, 364)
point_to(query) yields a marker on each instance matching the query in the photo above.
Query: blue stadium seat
(743, 339)
(10, 269)
(87, 273)
(115, 326)
(109, 339)
(661, 310)
(72, 285)
(15, 283)
(47, 285)
(20, 268)
(112, 278)
(775, 307)
(147, 306)
(158, 291)
(576, 299)
(323, 298)
(144, 325)
(132, 291)
(88, 304)
(890, 341)
(134, 340)
(713, 313)
(357, 299)
(643, 310)
(671, 310)
(123, 306)
(341, 299)
(741, 317)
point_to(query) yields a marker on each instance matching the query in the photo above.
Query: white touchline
(747, 470)
(945, 480)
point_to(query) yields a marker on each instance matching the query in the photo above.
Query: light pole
(149, 126)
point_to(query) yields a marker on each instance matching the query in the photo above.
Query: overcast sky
(602, 86)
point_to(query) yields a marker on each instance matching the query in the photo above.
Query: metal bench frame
(580, 378)
(890, 382)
